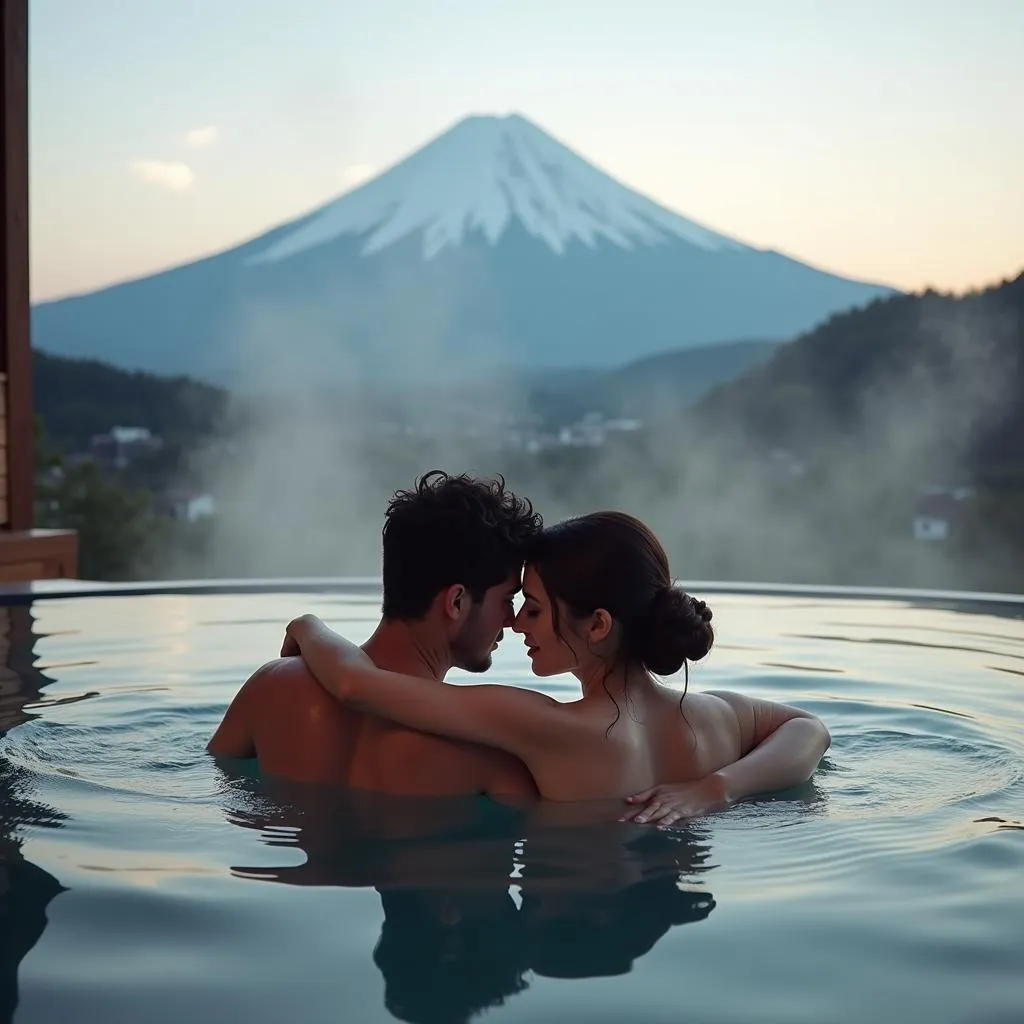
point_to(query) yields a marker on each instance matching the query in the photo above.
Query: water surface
(141, 882)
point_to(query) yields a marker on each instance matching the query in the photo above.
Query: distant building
(526, 434)
(592, 431)
(956, 493)
(200, 507)
(937, 513)
(188, 506)
(122, 445)
(581, 435)
(624, 424)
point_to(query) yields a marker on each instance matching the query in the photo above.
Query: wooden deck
(37, 555)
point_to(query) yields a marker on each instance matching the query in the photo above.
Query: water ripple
(900, 860)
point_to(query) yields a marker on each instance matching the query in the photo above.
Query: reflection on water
(21, 683)
(25, 892)
(478, 897)
(901, 863)
(25, 889)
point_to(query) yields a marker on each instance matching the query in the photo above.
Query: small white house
(122, 445)
(935, 515)
(930, 528)
(200, 507)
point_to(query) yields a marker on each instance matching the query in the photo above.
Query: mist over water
(814, 493)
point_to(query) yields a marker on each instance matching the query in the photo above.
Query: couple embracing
(598, 602)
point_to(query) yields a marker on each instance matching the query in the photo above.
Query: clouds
(169, 174)
(175, 175)
(202, 138)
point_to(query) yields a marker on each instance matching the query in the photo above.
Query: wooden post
(25, 554)
(15, 351)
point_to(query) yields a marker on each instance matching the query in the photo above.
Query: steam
(317, 439)
(302, 477)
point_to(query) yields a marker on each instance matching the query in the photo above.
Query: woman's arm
(782, 746)
(517, 720)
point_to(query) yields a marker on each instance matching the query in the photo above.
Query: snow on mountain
(480, 176)
(492, 246)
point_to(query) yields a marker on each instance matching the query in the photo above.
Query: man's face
(482, 630)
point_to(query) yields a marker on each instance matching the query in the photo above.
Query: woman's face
(550, 654)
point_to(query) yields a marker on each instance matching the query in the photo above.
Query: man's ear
(455, 602)
(601, 624)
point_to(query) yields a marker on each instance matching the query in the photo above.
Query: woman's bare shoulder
(704, 706)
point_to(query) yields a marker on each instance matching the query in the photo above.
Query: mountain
(671, 380)
(650, 387)
(80, 398)
(938, 376)
(493, 245)
(77, 399)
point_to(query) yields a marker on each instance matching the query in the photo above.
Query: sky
(882, 139)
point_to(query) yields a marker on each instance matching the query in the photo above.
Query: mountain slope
(77, 399)
(493, 245)
(672, 380)
(648, 388)
(942, 376)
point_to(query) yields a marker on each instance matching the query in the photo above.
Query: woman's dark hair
(448, 530)
(606, 932)
(613, 561)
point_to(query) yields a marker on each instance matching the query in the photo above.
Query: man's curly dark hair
(452, 529)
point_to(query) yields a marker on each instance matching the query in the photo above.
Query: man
(453, 552)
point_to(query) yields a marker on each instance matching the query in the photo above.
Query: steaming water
(140, 882)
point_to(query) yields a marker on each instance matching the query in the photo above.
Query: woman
(599, 603)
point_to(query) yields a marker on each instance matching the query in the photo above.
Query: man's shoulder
(288, 683)
(281, 671)
(281, 695)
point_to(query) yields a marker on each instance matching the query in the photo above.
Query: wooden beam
(15, 350)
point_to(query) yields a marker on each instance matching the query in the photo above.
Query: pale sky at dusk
(880, 140)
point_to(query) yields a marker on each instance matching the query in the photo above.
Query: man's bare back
(452, 558)
(283, 717)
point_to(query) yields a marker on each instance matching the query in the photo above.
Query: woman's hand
(669, 802)
(291, 647)
(335, 662)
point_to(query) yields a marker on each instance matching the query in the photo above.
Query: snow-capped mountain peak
(531, 258)
(479, 177)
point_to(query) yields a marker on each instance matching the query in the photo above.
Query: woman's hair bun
(676, 628)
